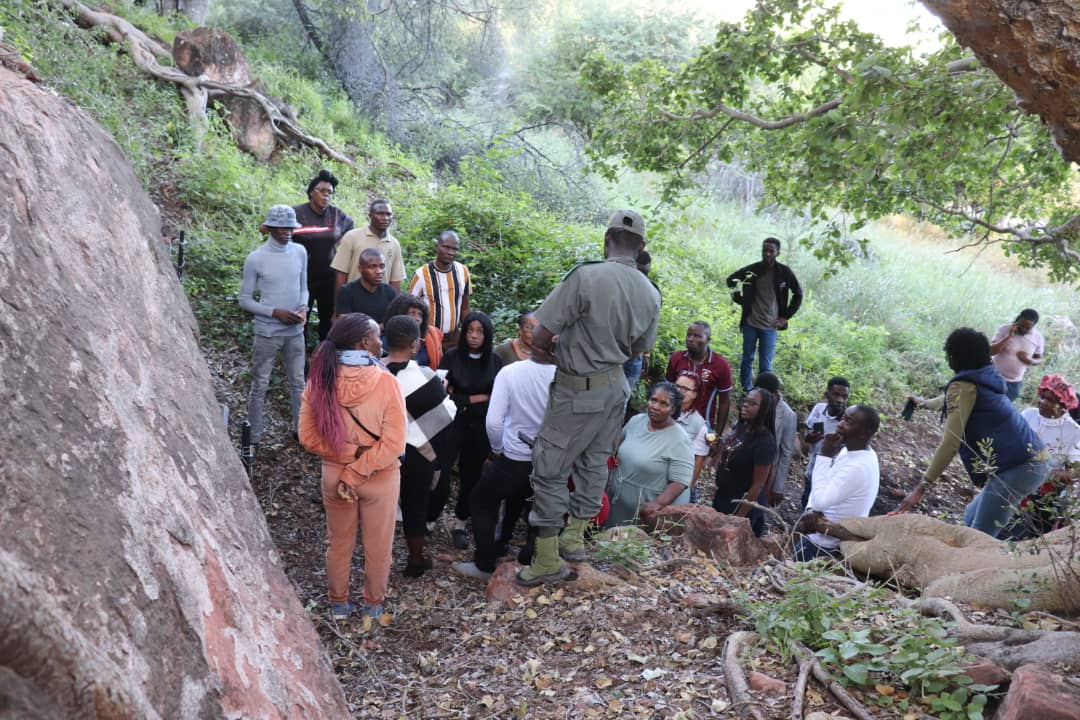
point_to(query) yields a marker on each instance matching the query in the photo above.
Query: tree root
(738, 687)
(1008, 647)
(723, 609)
(146, 52)
(805, 666)
(842, 696)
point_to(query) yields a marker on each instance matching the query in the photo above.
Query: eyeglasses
(325, 191)
(686, 389)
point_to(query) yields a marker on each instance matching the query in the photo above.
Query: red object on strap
(605, 505)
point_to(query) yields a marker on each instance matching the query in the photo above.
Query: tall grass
(881, 322)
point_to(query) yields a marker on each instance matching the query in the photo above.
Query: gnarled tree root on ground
(145, 52)
(969, 566)
(1008, 647)
(738, 687)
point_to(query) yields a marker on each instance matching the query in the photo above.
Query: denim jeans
(1012, 389)
(992, 508)
(265, 351)
(764, 342)
(806, 550)
(632, 370)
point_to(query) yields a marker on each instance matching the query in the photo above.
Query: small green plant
(863, 641)
(629, 549)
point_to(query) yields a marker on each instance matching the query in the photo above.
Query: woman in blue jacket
(996, 444)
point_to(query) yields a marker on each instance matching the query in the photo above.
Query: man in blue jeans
(770, 295)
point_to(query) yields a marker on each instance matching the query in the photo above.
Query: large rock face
(1034, 47)
(137, 575)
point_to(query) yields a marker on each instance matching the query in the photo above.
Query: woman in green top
(655, 459)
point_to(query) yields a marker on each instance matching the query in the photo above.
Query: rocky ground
(613, 644)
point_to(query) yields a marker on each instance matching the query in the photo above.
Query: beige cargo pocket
(549, 453)
(587, 405)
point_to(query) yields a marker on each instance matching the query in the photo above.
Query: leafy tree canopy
(845, 128)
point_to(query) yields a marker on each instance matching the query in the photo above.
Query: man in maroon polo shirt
(714, 400)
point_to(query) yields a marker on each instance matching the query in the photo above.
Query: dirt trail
(589, 650)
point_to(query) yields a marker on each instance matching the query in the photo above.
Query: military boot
(547, 566)
(572, 540)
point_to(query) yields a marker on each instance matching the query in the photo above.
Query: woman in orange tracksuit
(353, 416)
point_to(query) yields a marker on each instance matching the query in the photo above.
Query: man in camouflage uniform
(598, 317)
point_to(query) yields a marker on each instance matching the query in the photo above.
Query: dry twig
(738, 688)
(805, 666)
(842, 696)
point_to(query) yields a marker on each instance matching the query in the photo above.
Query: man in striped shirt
(445, 284)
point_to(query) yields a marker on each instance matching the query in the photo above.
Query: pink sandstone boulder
(723, 537)
(137, 575)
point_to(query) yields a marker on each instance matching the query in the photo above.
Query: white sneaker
(469, 569)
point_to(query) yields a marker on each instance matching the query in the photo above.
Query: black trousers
(502, 479)
(321, 296)
(416, 474)
(473, 450)
(728, 506)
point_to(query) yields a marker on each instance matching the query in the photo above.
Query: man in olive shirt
(599, 316)
(376, 235)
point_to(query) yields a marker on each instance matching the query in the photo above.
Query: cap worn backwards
(627, 220)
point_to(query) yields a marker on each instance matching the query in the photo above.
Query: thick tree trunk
(1034, 47)
(363, 73)
(137, 575)
(196, 10)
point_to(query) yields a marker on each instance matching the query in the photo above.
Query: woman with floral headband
(1042, 511)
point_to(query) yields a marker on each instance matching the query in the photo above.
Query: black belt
(588, 382)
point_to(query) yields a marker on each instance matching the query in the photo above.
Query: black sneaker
(415, 570)
(460, 539)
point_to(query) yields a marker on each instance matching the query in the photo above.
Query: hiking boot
(546, 566)
(469, 569)
(572, 540)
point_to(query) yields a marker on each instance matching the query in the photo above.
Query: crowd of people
(407, 384)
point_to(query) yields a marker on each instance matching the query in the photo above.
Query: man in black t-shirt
(367, 294)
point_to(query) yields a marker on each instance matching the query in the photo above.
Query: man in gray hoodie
(277, 272)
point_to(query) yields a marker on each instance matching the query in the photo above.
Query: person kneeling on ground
(846, 478)
(655, 460)
(519, 399)
(745, 459)
(431, 413)
(1047, 509)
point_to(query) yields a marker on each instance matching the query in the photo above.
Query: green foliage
(881, 322)
(516, 252)
(863, 641)
(868, 130)
(620, 547)
(95, 77)
(621, 33)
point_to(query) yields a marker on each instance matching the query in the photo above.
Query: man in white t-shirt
(823, 420)
(446, 286)
(846, 478)
(519, 400)
(1015, 347)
